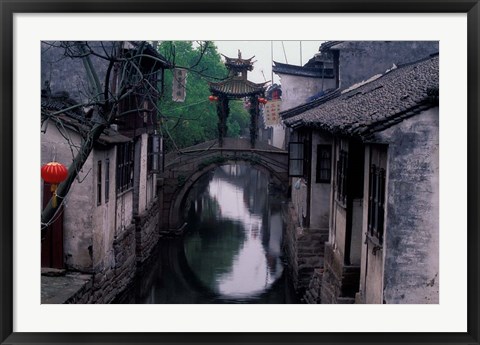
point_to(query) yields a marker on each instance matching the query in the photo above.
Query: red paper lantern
(54, 173)
(262, 100)
(212, 98)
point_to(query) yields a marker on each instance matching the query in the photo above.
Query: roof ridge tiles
(385, 95)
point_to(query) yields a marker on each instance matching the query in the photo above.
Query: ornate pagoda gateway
(237, 86)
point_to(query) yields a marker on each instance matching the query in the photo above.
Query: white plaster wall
(104, 214)
(124, 211)
(278, 136)
(406, 270)
(297, 89)
(78, 219)
(412, 228)
(320, 192)
(142, 200)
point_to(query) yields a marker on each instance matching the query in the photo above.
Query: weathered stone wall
(304, 249)
(55, 65)
(105, 285)
(339, 282)
(412, 243)
(147, 232)
(124, 213)
(313, 293)
(320, 191)
(132, 248)
(360, 60)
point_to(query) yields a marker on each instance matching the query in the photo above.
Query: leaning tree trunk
(77, 164)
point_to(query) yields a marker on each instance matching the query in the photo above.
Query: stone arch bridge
(183, 169)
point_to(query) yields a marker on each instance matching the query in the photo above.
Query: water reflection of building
(239, 194)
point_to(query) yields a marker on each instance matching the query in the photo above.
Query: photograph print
(263, 172)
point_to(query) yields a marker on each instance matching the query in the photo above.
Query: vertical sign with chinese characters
(271, 112)
(179, 83)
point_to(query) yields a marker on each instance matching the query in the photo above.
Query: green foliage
(195, 120)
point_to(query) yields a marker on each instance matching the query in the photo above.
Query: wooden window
(324, 163)
(376, 202)
(342, 168)
(154, 154)
(99, 183)
(107, 180)
(125, 159)
(296, 159)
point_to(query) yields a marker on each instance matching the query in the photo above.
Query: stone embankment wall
(304, 249)
(104, 286)
(147, 232)
(132, 247)
(313, 293)
(339, 281)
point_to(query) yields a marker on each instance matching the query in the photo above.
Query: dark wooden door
(52, 235)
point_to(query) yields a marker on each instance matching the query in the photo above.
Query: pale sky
(263, 54)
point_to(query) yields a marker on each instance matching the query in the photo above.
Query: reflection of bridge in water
(183, 169)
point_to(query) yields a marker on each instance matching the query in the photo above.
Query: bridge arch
(175, 213)
(183, 171)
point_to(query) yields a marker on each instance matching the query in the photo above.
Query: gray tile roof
(299, 109)
(313, 72)
(376, 105)
(75, 119)
(237, 87)
(328, 45)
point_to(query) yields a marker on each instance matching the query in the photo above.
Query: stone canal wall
(104, 286)
(147, 232)
(131, 248)
(339, 281)
(304, 248)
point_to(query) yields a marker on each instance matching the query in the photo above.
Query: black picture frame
(10, 7)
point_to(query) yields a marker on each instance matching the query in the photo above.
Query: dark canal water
(231, 251)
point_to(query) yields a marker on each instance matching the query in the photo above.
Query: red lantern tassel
(53, 189)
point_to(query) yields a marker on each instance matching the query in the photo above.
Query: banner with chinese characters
(179, 84)
(271, 112)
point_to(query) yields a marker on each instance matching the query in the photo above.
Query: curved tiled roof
(374, 106)
(314, 72)
(327, 95)
(237, 87)
(238, 63)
